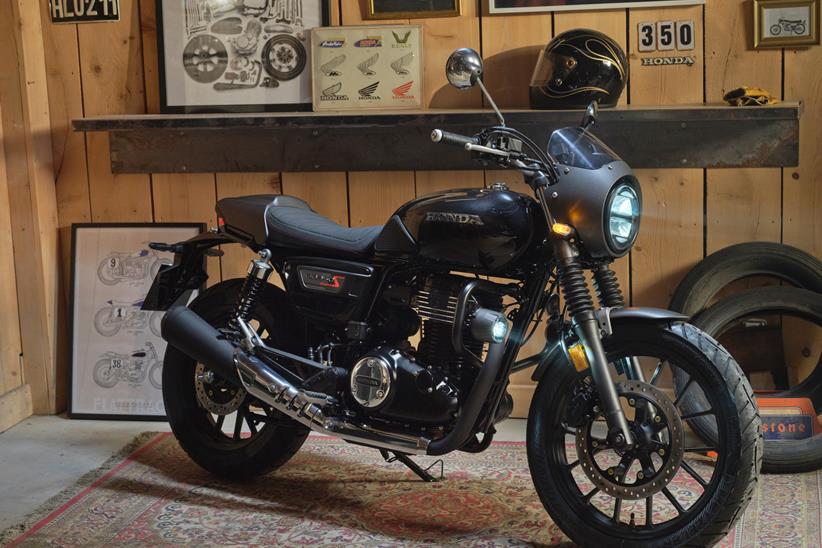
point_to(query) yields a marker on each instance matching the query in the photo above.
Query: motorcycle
(132, 368)
(473, 272)
(116, 315)
(791, 26)
(129, 267)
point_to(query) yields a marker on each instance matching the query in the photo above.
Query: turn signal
(578, 357)
(562, 230)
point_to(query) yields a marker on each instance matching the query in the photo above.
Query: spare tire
(739, 261)
(781, 456)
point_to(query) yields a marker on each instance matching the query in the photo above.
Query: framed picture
(412, 9)
(786, 23)
(521, 6)
(367, 67)
(116, 349)
(236, 55)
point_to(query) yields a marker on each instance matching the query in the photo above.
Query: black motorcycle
(473, 272)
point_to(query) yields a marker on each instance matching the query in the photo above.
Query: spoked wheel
(222, 427)
(669, 488)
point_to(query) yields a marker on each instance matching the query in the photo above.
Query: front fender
(557, 357)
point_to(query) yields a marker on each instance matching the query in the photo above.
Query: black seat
(286, 221)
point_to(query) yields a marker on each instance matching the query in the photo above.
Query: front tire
(274, 439)
(703, 519)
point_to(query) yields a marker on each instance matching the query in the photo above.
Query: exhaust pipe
(185, 330)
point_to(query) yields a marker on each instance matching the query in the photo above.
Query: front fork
(581, 307)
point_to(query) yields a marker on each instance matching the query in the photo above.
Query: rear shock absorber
(258, 272)
(607, 286)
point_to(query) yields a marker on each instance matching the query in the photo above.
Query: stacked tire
(799, 295)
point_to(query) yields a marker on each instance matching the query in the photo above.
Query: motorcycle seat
(286, 221)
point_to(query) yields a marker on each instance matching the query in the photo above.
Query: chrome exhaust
(265, 384)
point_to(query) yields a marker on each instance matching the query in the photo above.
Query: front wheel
(670, 488)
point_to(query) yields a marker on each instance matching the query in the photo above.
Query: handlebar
(440, 136)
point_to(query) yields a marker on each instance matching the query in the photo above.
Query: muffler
(185, 330)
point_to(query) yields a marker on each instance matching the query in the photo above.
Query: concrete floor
(41, 456)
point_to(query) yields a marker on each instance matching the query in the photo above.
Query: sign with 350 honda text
(84, 11)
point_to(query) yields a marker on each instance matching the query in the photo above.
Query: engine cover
(388, 383)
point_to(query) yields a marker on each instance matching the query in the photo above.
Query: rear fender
(188, 271)
(556, 356)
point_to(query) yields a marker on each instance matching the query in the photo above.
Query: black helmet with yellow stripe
(577, 67)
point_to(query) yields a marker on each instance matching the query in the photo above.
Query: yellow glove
(745, 96)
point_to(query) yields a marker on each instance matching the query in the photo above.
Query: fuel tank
(477, 230)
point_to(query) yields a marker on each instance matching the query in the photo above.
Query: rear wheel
(670, 489)
(222, 428)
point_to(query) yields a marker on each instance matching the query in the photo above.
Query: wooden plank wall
(112, 68)
(28, 221)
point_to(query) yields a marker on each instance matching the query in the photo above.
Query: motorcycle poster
(236, 55)
(117, 351)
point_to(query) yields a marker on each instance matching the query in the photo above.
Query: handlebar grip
(440, 136)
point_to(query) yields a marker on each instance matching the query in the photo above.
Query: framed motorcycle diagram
(236, 55)
(117, 351)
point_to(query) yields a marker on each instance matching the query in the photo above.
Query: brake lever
(470, 147)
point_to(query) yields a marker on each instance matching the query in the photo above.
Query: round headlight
(622, 217)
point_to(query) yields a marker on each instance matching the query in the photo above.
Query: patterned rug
(337, 494)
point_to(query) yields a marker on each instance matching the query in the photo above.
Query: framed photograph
(116, 350)
(367, 67)
(786, 23)
(522, 6)
(412, 9)
(236, 55)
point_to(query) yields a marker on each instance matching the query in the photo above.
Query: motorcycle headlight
(622, 215)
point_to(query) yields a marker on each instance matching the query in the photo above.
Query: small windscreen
(575, 147)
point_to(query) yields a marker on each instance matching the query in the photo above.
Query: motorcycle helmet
(577, 67)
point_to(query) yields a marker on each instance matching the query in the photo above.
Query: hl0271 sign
(84, 11)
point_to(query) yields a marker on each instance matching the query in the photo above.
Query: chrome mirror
(464, 71)
(590, 116)
(464, 68)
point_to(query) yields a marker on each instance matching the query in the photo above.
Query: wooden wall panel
(375, 195)
(511, 45)
(325, 192)
(428, 182)
(441, 36)
(802, 186)
(31, 194)
(671, 238)
(234, 264)
(742, 204)
(112, 78)
(11, 374)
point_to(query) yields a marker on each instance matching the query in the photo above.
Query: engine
(425, 386)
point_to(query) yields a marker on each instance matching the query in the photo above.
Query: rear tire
(194, 427)
(727, 492)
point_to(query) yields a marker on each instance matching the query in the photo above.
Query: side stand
(416, 468)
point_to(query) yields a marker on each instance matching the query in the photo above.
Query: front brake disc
(659, 439)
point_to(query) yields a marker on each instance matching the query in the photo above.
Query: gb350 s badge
(458, 218)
